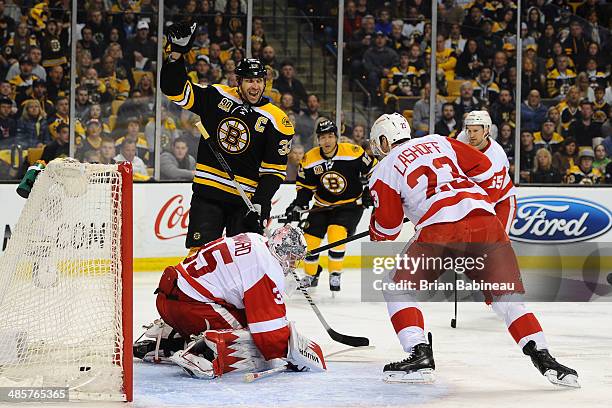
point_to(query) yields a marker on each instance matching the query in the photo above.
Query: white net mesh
(60, 284)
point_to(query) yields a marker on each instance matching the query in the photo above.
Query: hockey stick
(316, 210)
(340, 338)
(229, 171)
(349, 340)
(344, 241)
(454, 320)
(250, 377)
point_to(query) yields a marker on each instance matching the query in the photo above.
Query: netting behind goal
(65, 284)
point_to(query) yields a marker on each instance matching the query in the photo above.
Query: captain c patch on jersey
(234, 136)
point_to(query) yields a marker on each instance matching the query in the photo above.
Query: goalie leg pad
(235, 351)
(304, 353)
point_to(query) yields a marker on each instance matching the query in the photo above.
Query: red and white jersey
(502, 186)
(241, 272)
(431, 179)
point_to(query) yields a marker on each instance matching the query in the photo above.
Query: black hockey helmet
(250, 68)
(326, 126)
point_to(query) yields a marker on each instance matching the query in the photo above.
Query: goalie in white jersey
(501, 190)
(229, 295)
(444, 187)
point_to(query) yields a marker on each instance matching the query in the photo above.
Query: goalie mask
(288, 245)
(388, 130)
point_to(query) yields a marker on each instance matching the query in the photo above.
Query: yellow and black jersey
(576, 176)
(486, 93)
(412, 77)
(551, 145)
(120, 87)
(597, 78)
(568, 115)
(333, 180)
(556, 81)
(15, 47)
(253, 139)
(447, 60)
(142, 146)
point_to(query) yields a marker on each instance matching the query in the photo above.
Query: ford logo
(550, 219)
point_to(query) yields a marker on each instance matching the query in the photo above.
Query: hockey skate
(334, 281)
(418, 368)
(311, 281)
(556, 373)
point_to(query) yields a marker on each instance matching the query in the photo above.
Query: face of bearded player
(477, 135)
(252, 89)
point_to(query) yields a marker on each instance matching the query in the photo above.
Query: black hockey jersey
(253, 139)
(333, 180)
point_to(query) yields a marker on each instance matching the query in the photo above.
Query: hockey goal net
(66, 284)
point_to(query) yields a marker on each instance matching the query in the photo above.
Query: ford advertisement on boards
(558, 219)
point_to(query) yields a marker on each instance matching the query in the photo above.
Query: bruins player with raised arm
(252, 135)
(331, 173)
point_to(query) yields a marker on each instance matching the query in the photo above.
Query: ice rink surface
(478, 364)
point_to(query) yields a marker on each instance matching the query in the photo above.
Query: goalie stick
(250, 377)
(340, 338)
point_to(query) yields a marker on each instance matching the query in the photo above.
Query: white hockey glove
(162, 340)
(304, 354)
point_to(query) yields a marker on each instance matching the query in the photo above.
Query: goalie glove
(180, 37)
(162, 341)
(304, 354)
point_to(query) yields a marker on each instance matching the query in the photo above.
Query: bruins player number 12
(331, 174)
(252, 135)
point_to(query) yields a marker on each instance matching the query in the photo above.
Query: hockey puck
(610, 278)
(453, 323)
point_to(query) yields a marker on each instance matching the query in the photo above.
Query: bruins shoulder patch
(286, 122)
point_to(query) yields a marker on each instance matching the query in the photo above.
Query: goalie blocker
(239, 323)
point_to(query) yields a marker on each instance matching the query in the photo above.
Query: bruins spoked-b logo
(334, 182)
(234, 135)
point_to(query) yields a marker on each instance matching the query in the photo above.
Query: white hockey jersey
(241, 272)
(502, 187)
(432, 179)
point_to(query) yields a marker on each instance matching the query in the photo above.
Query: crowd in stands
(565, 78)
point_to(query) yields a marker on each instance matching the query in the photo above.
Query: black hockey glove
(292, 213)
(366, 198)
(255, 221)
(180, 37)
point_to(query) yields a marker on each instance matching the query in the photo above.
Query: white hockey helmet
(479, 118)
(288, 245)
(393, 127)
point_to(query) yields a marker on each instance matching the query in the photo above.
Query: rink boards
(553, 217)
